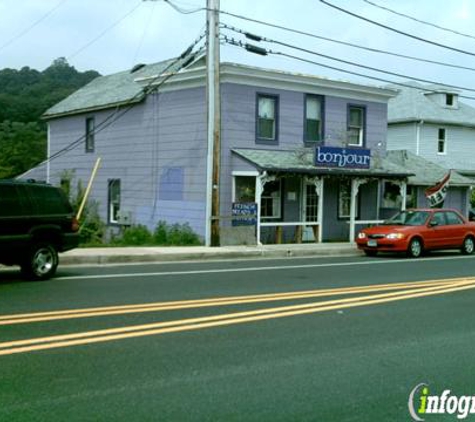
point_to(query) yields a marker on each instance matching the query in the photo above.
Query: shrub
(175, 235)
(91, 228)
(135, 236)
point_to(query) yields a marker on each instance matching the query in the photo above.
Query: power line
(374, 69)
(250, 48)
(144, 32)
(348, 44)
(415, 37)
(33, 25)
(113, 25)
(299, 32)
(418, 20)
(184, 11)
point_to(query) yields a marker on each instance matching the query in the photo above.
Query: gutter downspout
(418, 136)
(48, 153)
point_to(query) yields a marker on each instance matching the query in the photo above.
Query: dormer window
(449, 100)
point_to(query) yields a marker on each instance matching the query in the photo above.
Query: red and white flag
(437, 193)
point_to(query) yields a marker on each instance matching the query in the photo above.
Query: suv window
(48, 200)
(10, 204)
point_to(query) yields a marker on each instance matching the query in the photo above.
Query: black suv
(36, 222)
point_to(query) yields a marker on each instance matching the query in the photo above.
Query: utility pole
(214, 124)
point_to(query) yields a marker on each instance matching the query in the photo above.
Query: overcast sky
(113, 35)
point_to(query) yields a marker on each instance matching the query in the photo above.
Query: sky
(114, 35)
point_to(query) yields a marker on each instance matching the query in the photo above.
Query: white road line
(253, 269)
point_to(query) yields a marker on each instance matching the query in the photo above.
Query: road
(327, 339)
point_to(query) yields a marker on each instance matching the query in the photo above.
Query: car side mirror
(433, 223)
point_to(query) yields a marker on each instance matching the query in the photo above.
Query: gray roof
(396, 164)
(425, 173)
(108, 91)
(414, 105)
(302, 161)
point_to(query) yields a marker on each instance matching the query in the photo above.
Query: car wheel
(415, 248)
(370, 252)
(41, 262)
(468, 245)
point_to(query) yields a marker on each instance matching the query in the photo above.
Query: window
(439, 218)
(311, 202)
(441, 144)
(449, 99)
(114, 200)
(344, 200)
(47, 200)
(245, 189)
(10, 201)
(90, 128)
(356, 120)
(391, 196)
(452, 218)
(313, 118)
(267, 117)
(271, 200)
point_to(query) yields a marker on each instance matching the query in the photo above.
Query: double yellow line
(392, 292)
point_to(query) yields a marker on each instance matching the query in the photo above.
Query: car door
(455, 228)
(437, 236)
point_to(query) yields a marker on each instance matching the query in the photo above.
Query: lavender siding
(157, 150)
(238, 116)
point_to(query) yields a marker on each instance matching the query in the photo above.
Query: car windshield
(408, 218)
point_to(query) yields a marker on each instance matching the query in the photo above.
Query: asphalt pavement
(295, 339)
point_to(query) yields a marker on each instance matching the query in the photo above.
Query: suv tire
(41, 262)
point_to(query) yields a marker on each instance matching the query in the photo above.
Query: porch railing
(279, 229)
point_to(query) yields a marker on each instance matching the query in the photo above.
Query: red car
(418, 230)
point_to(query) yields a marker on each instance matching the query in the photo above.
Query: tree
(25, 95)
(22, 146)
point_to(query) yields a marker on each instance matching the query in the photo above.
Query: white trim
(444, 152)
(290, 223)
(418, 136)
(48, 154)
(245, 173)
(270, 78)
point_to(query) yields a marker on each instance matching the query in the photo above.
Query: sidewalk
(94, 256)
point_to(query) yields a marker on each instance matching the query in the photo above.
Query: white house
(432, 122)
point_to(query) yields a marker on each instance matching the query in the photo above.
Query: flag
(436, 194)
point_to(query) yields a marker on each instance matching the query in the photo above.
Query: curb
(122, 257)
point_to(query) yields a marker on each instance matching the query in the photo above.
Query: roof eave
(46, 116)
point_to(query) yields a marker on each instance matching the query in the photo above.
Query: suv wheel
(41, 262)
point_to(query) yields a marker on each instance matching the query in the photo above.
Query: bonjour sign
(345, 158)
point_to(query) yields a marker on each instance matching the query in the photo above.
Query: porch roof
(302, 161)
(426, 173)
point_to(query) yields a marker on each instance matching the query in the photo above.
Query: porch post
(319, 191)
(261, 180)
(353, 195)
(403, 192)
(403, 188)
(259, 187)
(355, 185)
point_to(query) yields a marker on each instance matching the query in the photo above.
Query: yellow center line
(200, 303)
(22, 346)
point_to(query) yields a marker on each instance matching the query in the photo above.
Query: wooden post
(88, 189)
